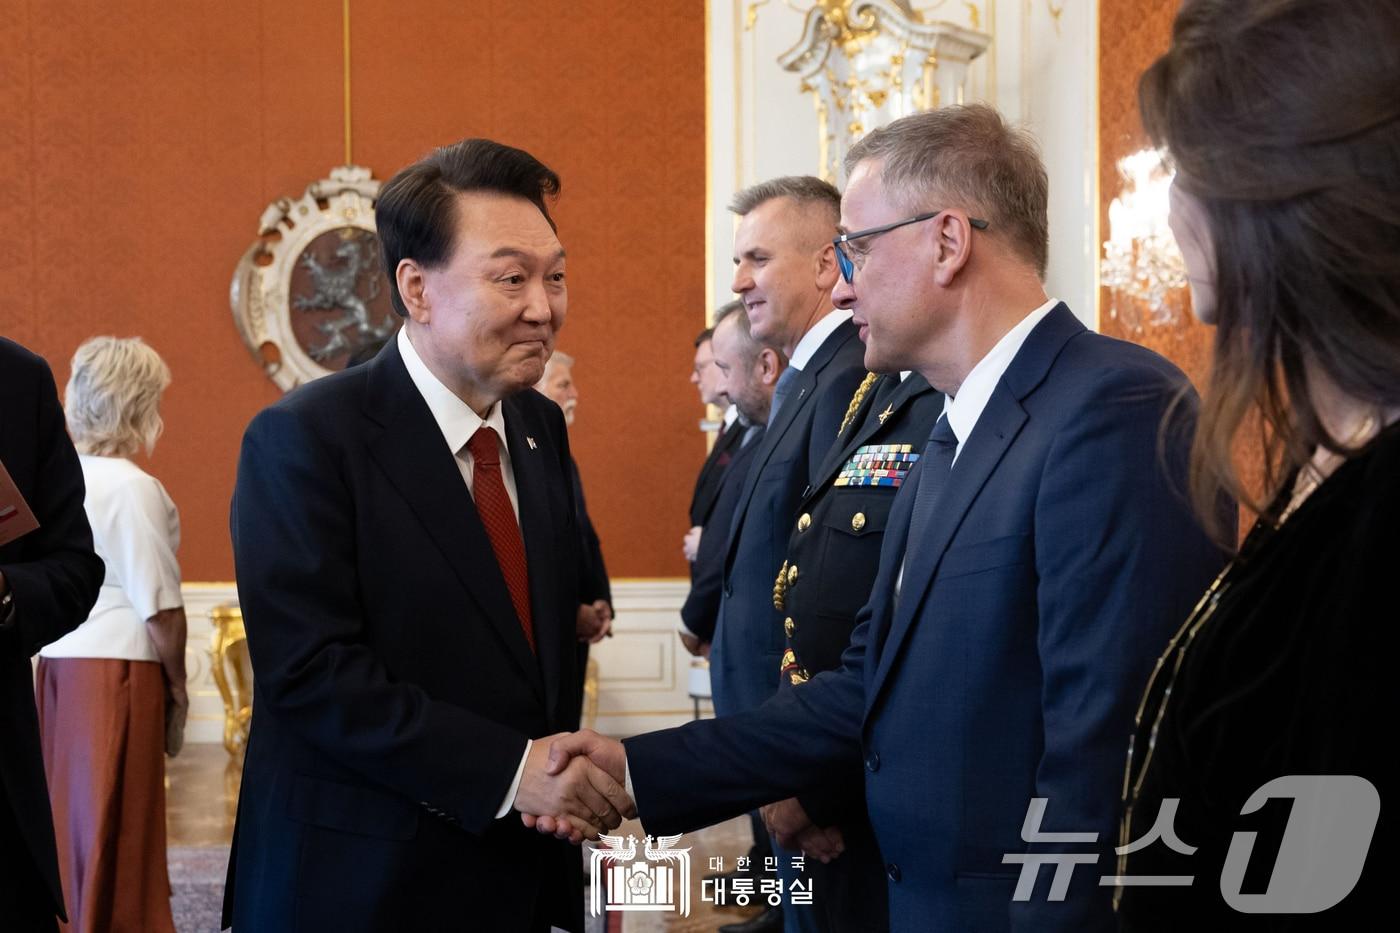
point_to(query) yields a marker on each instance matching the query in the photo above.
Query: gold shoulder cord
(861, 391)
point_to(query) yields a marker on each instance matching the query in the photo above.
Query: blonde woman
(112, 693)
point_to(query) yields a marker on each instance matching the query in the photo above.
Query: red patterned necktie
(493, 505)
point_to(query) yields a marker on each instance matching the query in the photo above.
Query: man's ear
(412, 290)
(772, 366)
(827, 271)
(951, 245)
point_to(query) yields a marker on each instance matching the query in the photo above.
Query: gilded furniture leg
(228, 651)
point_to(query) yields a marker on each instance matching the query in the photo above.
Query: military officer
(833, 553)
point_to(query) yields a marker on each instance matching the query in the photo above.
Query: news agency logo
(1331, 822)
(659, 881)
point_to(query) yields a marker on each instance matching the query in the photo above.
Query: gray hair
(111, 402)
(966, 157)
(803, 190)
(726, 309)
(557, 358)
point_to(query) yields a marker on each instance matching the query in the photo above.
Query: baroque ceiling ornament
(868, 62)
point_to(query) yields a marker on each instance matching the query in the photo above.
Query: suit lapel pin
(884, 415)
(531, 441)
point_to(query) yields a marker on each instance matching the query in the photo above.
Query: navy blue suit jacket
(748, 646)
(394, 689)
(1060, 560)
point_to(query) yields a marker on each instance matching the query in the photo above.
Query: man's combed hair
(966, 157)
(804, 190)
(416, 210)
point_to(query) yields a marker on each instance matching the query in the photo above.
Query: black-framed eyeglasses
(848, 265)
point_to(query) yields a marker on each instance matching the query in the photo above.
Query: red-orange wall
(1132, 34)
(140, 142)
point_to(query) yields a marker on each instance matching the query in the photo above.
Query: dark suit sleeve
(733, 764)
(700, 610)
(55, 583)
(295, 550)
(1121, 559)
(593, 578)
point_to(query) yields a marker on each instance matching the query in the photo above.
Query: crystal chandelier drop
(1142, 265)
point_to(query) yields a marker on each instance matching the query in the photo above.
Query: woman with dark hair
(1282, 119)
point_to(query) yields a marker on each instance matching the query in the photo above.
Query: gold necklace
(1310, 477)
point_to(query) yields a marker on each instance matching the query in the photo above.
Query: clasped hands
(572, 786)
(588, 772)
(593, 621)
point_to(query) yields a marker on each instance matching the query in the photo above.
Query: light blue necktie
(781, 390)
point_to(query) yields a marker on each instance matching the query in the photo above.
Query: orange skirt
(103, 729)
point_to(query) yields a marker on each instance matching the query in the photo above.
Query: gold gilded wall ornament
(309, 292)
(868, 62)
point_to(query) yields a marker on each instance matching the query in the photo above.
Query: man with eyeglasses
(1036, 562)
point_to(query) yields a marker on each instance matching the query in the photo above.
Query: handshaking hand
(598, 756)
(794, 829)
(577, 797)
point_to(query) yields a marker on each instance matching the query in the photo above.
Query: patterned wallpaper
(141, 141)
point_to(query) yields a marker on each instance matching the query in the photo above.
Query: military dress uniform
(833, 554)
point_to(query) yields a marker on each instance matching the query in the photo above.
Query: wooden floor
(202, 797)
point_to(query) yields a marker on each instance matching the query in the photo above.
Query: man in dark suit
(407, 553)
(49, 578)
(709, 383)
(785, 268)
(749, 373)
(701, 607)
(835, 543)
(1036, 561)
(595, 610)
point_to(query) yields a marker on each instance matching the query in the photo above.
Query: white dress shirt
(816, 336)
(964, 410)
(457, 422)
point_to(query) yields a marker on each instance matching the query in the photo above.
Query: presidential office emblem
(659, 881)
(309, 293)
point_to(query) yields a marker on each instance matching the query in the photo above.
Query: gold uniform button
(858, 521)
(792, 575)
(804, 522)
(789, 626)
